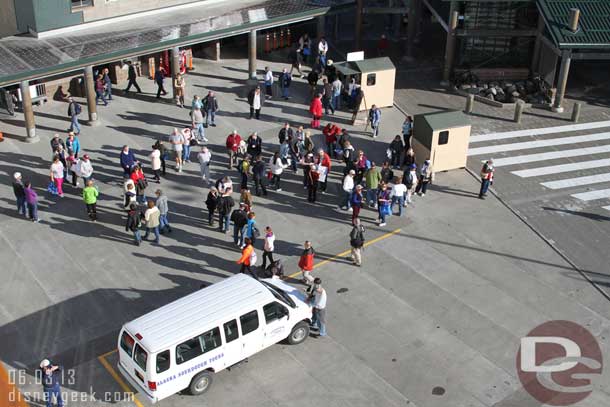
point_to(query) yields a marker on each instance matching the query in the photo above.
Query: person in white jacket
(155, 164)
(348, 188)
(85, 169)
(268, 247)
(277, 167)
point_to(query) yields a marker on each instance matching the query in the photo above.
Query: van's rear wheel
(299, 333)
(200, 383)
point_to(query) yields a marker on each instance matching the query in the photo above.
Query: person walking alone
(426, 175)
(205, 158)
(375, 119)
(180, 85)
(255, 100)
(210, 107)
(18, 190)
(318, 303)
(356, 241)
(268, 82)
(284, 81)
(268, 247)
(487, 177)
(306, 262)
(90, 194)
(159, 78)
(74, 109)
(132, 77)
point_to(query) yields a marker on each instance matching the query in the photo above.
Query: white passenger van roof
(184, 318)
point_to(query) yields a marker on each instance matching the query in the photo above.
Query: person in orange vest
(248, 257)
(306, 262)
(487, 177)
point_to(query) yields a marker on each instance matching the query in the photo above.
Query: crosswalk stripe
(592, 195)
(551, 155)
(538, 143)
(538, 132)
(556, 169)
(577, 181)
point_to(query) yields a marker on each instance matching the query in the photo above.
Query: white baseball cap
(17, 175)
(45, 363)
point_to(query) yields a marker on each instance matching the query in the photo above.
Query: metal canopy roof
(445, 120)
(364, 66)
(593, 26)
(26, 58)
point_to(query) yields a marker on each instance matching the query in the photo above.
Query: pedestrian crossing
(555, 160)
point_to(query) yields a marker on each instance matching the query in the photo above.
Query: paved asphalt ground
(433, 318)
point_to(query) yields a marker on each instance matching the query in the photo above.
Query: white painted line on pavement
(577, 182)
(538, 132)
(556, 169)
(552, 155)
(538, 143)
(593, 195)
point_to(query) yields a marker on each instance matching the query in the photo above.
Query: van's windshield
(280, 294)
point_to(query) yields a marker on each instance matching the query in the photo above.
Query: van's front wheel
(200, 383)
(299, 333)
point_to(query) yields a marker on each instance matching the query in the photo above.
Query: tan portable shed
(375, 76)
(443, 138)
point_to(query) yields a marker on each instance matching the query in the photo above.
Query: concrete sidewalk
(441, 304)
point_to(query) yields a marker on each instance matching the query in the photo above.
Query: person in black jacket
(212, 203)
(285, 133)
(239, 217)
(256, 100)
(134, 222)
(312, 79)
(396, 147)
(51, 377)
(254, 145)
(210, 107)
(131, 78)
(258, 174)
(225, 205)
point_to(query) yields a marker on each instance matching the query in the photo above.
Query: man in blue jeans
(239, 217)
(487, 177)
(317, 299)
(51, 377)
(74, 109)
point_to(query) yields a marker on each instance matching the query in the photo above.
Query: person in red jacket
(232, 143)
(140, 183)
(306, 262)
(323, 160)
(331, 132)
(315, 108)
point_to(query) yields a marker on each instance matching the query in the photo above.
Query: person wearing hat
(398, 192)
(348, 188)
(356, 202)
(163, 209)
(56, 142)
(317, 299)
(18, 190)
(487, 177)
(73, 144)
(51, 377)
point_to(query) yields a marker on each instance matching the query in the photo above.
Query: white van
(182, 344)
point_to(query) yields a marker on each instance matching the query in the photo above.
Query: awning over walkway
(25, 58)
(593, 26)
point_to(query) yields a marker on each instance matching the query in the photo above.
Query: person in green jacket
(90, 194)
(372, 177)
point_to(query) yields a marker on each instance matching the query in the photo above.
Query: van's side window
(163, 361)
(198, 345)
(274, 311)
(231, 330)
(127, 343)
(249, 322)
(140, 356)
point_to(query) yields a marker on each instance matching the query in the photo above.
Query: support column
(358, 25)
(411, 29)
(562, 80)
(175, 69)
(90, 93)
(252, 55)
(451, 41)
(320, 27)
(217, 46)
(536, 55)
(336, 28)
(28, 113)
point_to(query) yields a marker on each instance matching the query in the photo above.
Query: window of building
(81, 3)
(140, 356)
(443, 137)
(371, 79)
(198, 345)
(274, 311)
(249, 322)
(231, 331)
(163, 361)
